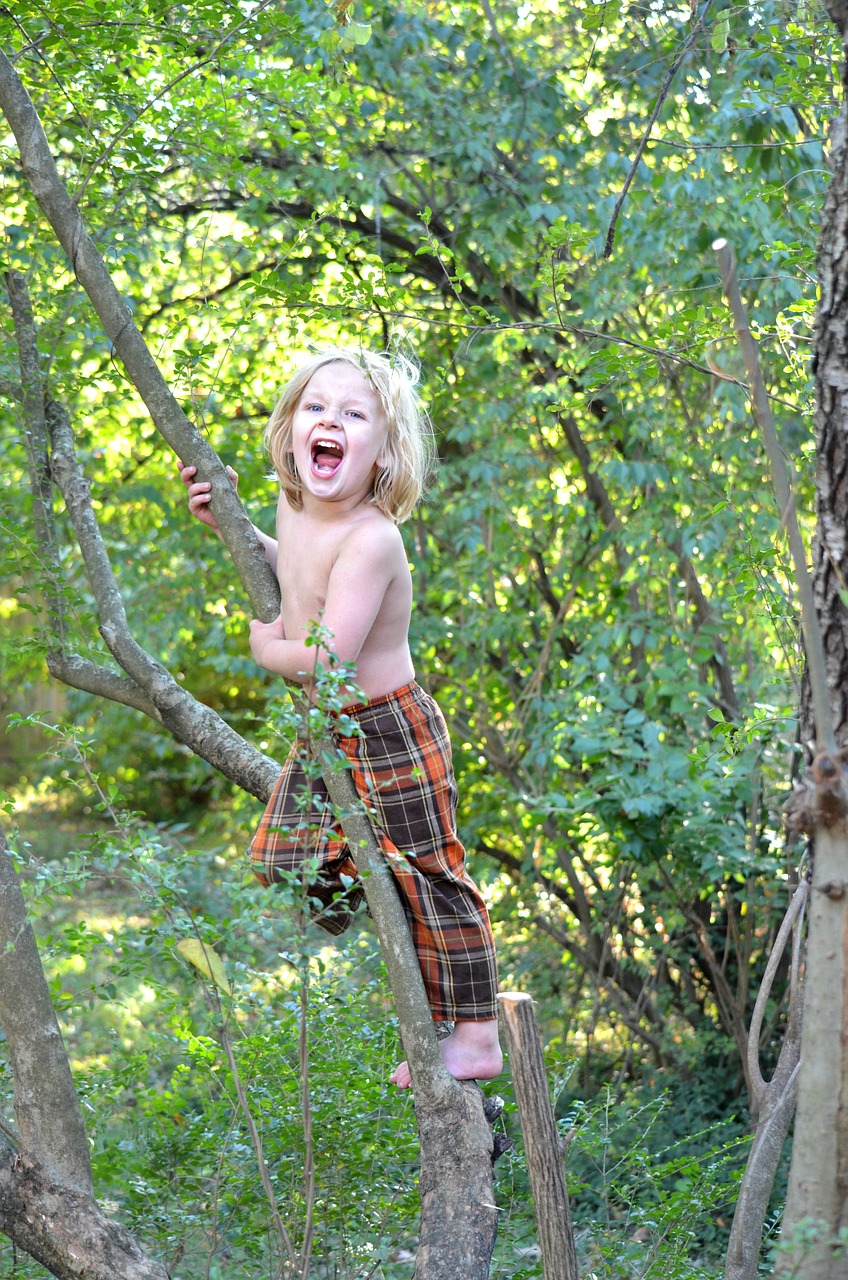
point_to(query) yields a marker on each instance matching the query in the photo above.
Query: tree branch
(116, 318)
(784, 492)
(64, 1230)
(90, 677)
(789, 928)
(192, 723)
(661, 97)
(35, 440)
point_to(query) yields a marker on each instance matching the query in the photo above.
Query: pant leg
(298, 826)
(402, 770)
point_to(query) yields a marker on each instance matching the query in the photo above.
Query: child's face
(339, 432)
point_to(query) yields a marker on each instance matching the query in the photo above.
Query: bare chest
(304, 564)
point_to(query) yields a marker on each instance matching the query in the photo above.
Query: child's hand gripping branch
(199, 497)
(350, 446)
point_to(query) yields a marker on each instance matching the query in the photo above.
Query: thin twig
(189, 71)
(306, 1106)
(782, 481)
(663, 94)
(255, 1139)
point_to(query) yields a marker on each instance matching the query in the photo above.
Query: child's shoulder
(374, 529)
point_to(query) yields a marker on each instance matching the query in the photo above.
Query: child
(351, 448)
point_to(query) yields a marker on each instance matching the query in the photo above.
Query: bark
(742, 1261)
(541, 1140)
(774, 1102)
(830, 551)
(192, 723)
(46, 1107)
(46, 1204)
(818, 1176)
(64, 1230)
(458, 1215)
(818, 1180)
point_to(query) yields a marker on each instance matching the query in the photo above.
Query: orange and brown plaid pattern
(401, 767)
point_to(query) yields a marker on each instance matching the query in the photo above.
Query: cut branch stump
(541, 1140)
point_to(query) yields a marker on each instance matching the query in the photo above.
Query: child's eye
(354, 413)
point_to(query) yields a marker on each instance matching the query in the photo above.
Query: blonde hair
(410, 449)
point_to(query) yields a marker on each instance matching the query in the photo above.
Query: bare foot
(470, 1052)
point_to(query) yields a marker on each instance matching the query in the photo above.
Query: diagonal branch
(35, 440)
(790, 927)
(90, 677)
(784, 492)
(116, 318)
(192, 723)
(661, 97)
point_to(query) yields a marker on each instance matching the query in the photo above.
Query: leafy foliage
(603, 604)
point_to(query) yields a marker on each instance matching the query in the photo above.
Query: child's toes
(401, 1077)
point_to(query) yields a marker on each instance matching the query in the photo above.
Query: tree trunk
(459, 1221)
(46, 1107)
(830, 365)
(46, 1204)
(817, 1201)
(64, 1230)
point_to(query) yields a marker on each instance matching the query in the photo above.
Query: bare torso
(350, 574)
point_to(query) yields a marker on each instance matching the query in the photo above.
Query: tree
(585, 592)
(457, 1229)
(814, 1228)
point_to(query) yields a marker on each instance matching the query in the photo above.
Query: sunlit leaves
(443, 176)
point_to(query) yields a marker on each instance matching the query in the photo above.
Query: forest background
(604, 607)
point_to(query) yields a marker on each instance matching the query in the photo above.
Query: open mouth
(326, 457)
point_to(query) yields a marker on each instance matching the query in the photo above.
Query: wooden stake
(541, 1140)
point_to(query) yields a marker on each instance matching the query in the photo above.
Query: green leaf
(356, 33)
(721, 31)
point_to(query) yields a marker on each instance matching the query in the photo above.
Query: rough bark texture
(541, 1140)
(198, 726)
(458, 1215)
(46, 1205)
(818, 1180)
(46, 1107)
(64, 1230)
(830, 365)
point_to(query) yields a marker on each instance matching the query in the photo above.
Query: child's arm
(199, 496)
(360, 578)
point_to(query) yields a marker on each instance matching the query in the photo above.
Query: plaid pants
(401, 767)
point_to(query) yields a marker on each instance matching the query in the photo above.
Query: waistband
(401, 695)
